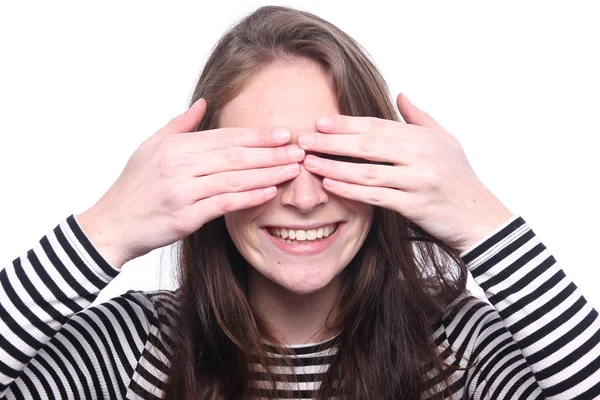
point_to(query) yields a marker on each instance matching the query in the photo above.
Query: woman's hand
(428, 179)
(178, 180)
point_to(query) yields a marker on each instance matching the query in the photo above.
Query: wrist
(102, 236)
(486, 227)
(489, 218)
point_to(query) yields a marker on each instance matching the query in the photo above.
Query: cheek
(230, 223)
(367, 212)
(235, 224)
(237, 235)
(364, 213)
(242, 219)
(364, 221)
(244, 233)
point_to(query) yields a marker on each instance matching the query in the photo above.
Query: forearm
(102, 237)
(557, 330)
(40, 290)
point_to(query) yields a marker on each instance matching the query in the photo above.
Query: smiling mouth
(300, 236)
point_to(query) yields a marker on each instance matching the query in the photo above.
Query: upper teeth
(301, 234)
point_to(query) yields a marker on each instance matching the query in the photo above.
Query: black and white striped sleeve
(492, 365)
(45, 350)
(555, 328)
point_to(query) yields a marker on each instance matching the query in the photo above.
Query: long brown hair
(396, 287)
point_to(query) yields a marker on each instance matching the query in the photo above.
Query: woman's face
(294, 95)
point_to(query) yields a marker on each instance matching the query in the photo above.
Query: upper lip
(303, 226)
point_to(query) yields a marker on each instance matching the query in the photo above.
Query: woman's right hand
(178, 180)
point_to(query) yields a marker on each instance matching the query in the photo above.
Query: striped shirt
(308, 364)
(536, 336)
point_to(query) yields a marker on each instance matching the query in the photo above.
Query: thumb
(414, 115)
(188, 121)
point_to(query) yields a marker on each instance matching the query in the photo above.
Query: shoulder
(465, 306)
(125, 328)
(154, 301)
(134, 312)
(474, 337)
(466, 320)
(156, 306)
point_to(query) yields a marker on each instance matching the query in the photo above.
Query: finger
(186, 122)
(414, 115)
(392, 199)
(216, 206)
(221, 138)
(366, 174)
(367, 146)
(337, 123)
(240, 181)
(242, 158)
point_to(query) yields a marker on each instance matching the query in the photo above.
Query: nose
(305, 192)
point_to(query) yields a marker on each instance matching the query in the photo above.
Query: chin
(303, 284)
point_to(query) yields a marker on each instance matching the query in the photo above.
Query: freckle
(278, 262)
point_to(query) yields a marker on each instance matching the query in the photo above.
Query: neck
(294, 318)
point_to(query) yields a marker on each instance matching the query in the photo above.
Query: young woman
(321, 257)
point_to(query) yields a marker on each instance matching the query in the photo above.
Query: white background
(82, 85)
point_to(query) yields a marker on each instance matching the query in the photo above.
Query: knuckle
(431, 178)
(176, 198)
(423, 203)
(168, 197)
(378, 125)
(168, 169)
(424, 150)
(167, 142)
(226, 204)
(224, 139)
(167, 161)
(256, 198)
(233, 181)
(376, 196)
(369, 144)
(370, 174)
(265, 135)
(233, 155)
(279, 154)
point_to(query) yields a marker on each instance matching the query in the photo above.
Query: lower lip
(305, 247)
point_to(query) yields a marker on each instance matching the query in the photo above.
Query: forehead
(291, 94)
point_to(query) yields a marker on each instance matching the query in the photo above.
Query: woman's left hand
(429, 181)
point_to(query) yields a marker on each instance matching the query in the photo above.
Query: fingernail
(325, 122)
(196, 102)
(311, 162)
(291, 168)
(329, 183)
(281, 135)
(305, 139)
(296, 152)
